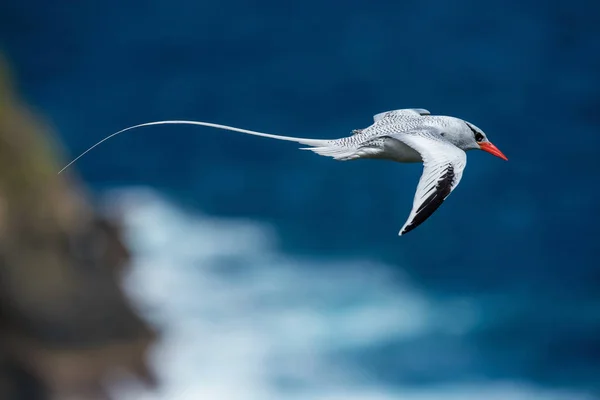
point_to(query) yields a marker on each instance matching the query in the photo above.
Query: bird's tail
(337, 152)
(317, 145)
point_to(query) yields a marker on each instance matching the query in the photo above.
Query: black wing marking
(440, 191)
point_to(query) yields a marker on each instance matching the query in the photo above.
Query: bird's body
(406, 136)
(376, 140)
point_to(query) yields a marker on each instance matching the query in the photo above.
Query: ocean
(244, 320)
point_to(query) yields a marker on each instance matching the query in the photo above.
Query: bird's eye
(478, 135)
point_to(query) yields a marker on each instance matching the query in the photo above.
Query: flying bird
(406, 135)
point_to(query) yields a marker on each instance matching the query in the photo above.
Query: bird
(408, 135)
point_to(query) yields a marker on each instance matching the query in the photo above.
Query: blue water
(517, 239)
(243, 320)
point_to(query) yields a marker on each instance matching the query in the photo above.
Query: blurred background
(272, 273)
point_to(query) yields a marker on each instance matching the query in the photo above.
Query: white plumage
(405, 135)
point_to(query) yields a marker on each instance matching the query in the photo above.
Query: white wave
(243, 321)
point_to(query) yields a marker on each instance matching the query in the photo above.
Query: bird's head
(473, 138)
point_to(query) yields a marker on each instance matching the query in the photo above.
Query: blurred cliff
(65, 325)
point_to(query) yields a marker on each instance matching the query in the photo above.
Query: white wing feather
(443, 166)
(403, 111)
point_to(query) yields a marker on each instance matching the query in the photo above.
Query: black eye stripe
(478, 136)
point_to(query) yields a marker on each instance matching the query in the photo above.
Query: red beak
(490, 148)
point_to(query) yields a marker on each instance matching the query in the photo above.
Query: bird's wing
(443, 166)
(404, 111)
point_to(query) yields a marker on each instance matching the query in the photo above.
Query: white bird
(407, 136)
